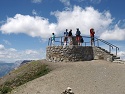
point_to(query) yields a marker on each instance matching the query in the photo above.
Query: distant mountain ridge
(6, 67)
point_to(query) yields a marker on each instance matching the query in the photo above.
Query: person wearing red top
(92, 32)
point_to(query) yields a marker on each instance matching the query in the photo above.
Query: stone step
(119, 61)
(116, 58)
(104, 50)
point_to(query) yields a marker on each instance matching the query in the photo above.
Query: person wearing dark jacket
(70, 37)
(92, 32)
(78, 36)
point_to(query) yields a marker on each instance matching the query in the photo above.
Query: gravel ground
(85, 77)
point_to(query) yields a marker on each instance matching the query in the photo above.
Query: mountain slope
(26, 72)
(87, 77)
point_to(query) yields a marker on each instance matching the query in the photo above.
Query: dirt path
(88, 77)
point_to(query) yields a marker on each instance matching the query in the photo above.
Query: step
(119, 61)
(115, 57)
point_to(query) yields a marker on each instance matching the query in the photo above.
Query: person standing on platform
(53, 39)
(78, 36)
(70, 37)
(66, 37)
(92, 33)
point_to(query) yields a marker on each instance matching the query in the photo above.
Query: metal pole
(109, 48)
(116, 51)
(50, 41)
(97, 42)
(61, 40)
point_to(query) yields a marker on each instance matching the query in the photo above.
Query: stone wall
(75, 53)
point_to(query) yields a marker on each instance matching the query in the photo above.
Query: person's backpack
(81, 40)
(70, 33)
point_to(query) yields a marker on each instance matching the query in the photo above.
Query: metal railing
(111, 46)
(87, 42)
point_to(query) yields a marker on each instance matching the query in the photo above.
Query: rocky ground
(85, 77)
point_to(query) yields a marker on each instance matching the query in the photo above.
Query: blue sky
(26, 25)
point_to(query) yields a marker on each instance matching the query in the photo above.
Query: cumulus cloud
(115, 34)
(6, 53)
(31, 52)
(32, 26)
(66, 2)
(11, 54)
(121, 54)
(2, 47)
(84, 19)
(36, 1)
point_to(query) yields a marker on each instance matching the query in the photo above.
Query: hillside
(85, 77)
(26, 72)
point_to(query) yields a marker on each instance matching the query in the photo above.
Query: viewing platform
(84, 52)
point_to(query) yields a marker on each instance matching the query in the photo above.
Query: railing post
(94, 41)
(50, 41)
(109, 48)
(97, 42)
(61, 40)
(117, 50)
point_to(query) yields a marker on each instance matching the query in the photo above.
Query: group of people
(69, 35)
(79, 38)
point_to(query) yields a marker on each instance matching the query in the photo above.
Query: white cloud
(122, 55)
(32, 26)
(12, 54)
(31, 52)
(115, 34)
(12, 50)
(34, 12)
(6, 53)
(7, 42)
(36, 1)
(84, 19)
(66, 2)
(2, 47)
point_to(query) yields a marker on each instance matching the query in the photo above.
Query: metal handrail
(111, 46)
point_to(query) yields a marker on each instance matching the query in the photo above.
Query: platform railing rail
(87, 42)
